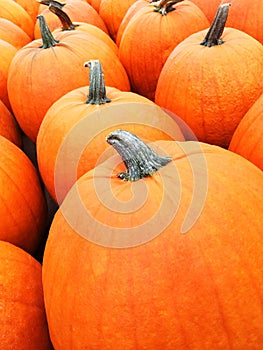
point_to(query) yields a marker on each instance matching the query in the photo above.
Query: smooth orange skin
(44, 75)
(78, 11)
(95, 4)
(7, 53)
(11, 10)
(112, 13)
(22, 316)
(12, 33)
(209, 7)
(8, 126)
(149, 38)
(22, 204)
(69, 112)
(199, 290)
(31, 7)
(94, 30)
(248, 17)
(133, 10)
(211, 88)
(247, 139)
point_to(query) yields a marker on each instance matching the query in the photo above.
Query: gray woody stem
(47, 37)
(97, 90)
(140, 160)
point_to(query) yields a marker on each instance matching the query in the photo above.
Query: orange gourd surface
(8, 126)
(248, 17)
(22, 316)
(12, 33)
(112, 13)
(247, 139)
(12, 11)
(31, 7)
(7, 53)
(198, 288)
(22, 202)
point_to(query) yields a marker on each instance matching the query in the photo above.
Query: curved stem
(213, 36)
(52, 2)
(97, 90)
(47, 37)
(140, 160)
(63, 17)
(165, 6)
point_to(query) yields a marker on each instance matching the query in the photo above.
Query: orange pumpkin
(133, 10)
(209, 7)
(7, 53)
(95, 4)
(67, 24)
(13, 34)
(74, 128)
(247, 138)
(211, 79)
(151, 35)
(12, 11)
(22, 316)
(44, 70)
(112, 13)
(8, 126)
(77, 10)
(248, 17)
(22, 204)
(31, 7)
(140, 280)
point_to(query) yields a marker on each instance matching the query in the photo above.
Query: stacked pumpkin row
(172, 257)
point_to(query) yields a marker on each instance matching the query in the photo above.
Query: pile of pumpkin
(131, 174)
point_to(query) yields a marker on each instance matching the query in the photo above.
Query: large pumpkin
(151, 35)
(171, 261)
(23, 207)
(47, 68)
(71, 137)
(247, 139)
(211, 79)
(22, 316)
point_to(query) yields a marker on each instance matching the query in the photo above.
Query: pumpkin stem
(165, 6)
(140, 160)
(47, 37)
(52, 2)
(63, 17)
(213, 36)
(97, 89)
